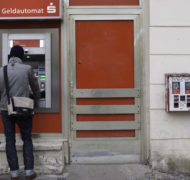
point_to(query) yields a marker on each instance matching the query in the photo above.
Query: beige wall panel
(169, 12)
(169, 49)
(161, 64)
(169, 40)
(157, 96)
(169, 125)
(178, 147)
(171, 155)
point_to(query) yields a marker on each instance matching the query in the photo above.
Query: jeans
(25, 126)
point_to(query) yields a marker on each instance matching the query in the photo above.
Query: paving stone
(108, 172)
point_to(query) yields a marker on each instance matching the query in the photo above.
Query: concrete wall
(169, 52)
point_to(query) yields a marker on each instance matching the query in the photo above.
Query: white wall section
(169, 52)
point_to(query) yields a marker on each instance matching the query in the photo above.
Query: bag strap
(6, 83)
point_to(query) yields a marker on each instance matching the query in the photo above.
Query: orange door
(104, 59)
(105, 97)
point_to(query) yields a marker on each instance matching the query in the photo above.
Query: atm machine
(37, 48)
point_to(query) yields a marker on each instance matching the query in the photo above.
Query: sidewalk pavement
(108, 172)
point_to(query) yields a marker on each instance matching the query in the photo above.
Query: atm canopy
(32, 9)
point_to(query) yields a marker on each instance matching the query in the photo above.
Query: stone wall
(49, 157)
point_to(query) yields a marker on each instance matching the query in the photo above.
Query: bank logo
(51, 8)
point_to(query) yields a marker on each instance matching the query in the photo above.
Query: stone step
(49, 157)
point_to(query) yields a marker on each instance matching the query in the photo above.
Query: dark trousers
(25, 126)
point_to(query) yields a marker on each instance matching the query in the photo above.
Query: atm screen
(42, 77)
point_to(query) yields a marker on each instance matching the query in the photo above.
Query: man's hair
(17, 51)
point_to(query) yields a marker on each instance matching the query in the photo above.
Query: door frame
(141, 46)
(76, 143)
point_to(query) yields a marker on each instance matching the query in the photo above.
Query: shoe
(14, 178)
(31, 177)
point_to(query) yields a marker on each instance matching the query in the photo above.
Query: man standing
(20, 78)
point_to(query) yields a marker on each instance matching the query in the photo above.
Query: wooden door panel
(105, 60)
(105, 54)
